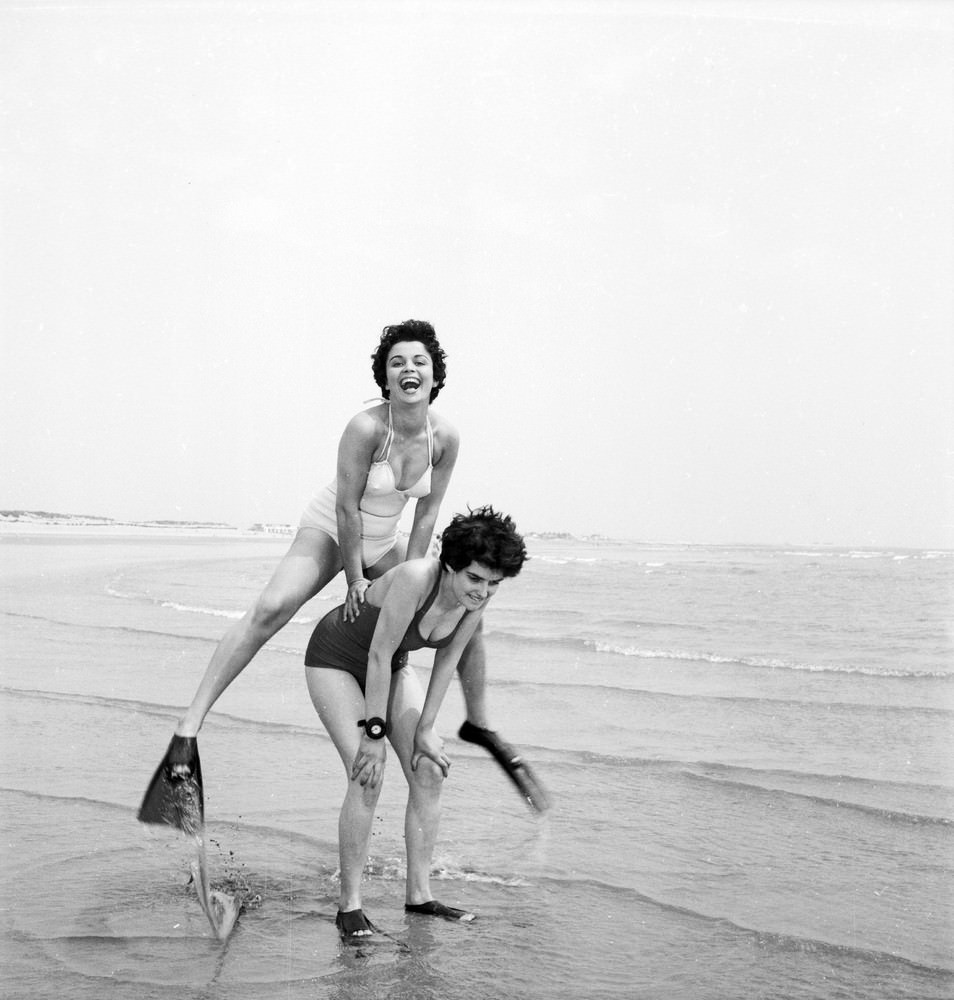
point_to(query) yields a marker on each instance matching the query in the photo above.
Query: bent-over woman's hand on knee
(428, 744)
(368, 766)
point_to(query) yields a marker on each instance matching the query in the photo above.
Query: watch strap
(374, 728)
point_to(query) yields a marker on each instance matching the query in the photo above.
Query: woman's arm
(405, 588)
(426, 742)
(355, 454)
(426, 509)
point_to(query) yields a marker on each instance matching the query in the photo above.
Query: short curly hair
(483, 536)
(411, 329)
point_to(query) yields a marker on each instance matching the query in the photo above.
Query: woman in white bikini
(391, 453)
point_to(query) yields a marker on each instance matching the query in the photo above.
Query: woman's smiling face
(410, 371)
(474, 585)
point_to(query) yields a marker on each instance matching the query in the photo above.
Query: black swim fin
(514, 766)
(174, 796)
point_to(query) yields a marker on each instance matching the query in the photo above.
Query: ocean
(749, 751)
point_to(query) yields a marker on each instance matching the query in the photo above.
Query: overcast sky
(691, 262)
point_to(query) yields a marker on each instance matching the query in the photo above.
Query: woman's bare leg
(340, 703)
(311, 562)
(423, 813)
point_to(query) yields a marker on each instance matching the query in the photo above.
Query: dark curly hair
(486, 537)
(411, 329)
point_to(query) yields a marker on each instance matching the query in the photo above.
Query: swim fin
(515, 767)
(174, 796)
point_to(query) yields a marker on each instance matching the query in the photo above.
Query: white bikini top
(381, 495)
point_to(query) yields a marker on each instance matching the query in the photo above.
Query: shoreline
(23, 528)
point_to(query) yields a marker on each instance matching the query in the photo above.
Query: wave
(870, 553)
(234, 615)
(644, 623)
(214, 828)
(647, 565)
(760, 780)
(907, 711)
(166, 711)
(200, 609)
(760, 662)
(99, 627)
(765, 938)
(695, 656)
(889, 815)
(80, 799)
(871, 783)
(895, 554)
(273, 647)
(213, 612)
(557, 561)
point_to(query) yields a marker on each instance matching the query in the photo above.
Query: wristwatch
(374, 727)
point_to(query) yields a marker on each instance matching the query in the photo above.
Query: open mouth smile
(410, 384)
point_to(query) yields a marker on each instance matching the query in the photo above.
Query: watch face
(375, 729)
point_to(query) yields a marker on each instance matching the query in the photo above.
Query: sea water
(749, 753)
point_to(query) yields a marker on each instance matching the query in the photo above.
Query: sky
(690, 261)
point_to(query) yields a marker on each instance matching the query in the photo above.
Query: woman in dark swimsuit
(364, 689)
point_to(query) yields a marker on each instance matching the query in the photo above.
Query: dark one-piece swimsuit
(343, 645)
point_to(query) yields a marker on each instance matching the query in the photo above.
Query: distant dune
(31, 520)
(43, 520)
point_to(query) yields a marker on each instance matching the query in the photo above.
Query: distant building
(273, 529)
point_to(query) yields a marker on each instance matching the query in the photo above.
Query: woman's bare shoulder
(366, 425)
(417, 572)
(411, 579)
(445, 432)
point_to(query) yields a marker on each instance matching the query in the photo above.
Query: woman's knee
(309, 565)
(427, 779)
(366, 796)
(272, 611)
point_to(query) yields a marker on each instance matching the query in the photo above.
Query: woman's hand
(428, 744)
(368, 766)
(355, 598)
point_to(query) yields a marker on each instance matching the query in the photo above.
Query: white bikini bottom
(378, 534)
